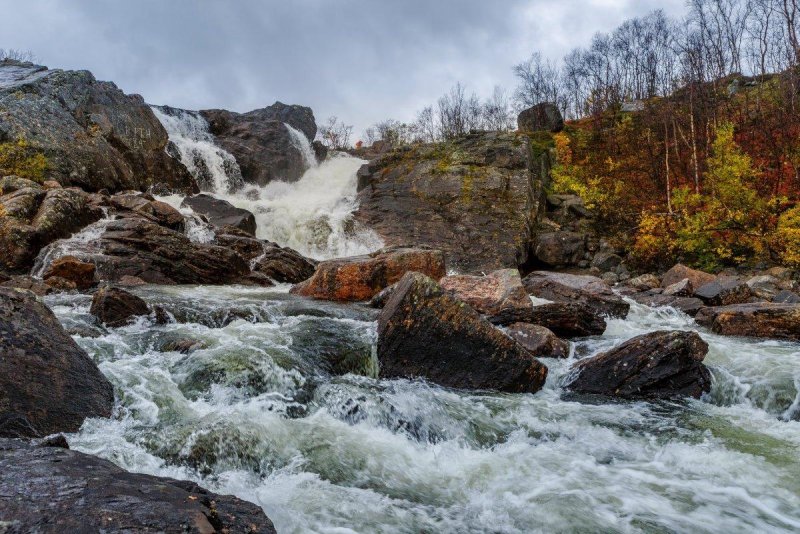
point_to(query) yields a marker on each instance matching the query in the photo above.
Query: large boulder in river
(568, 319)
(265, 149)
(477, 198)
(584, 289)
(221, 212)
(425, 332)
(541, 117)
(360, 278)
(116, 307)
(48, 384)
(658, 365)
(93, 135)
(761, 319)
(538, 340)
(55, 490)
(499, 295)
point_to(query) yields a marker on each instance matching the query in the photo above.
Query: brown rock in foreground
(425, 332)
(360, 278)
(72, 269)
(117, 307)
(499, 295)
(57, 490)
(659, 365)
(761, 319)
(538, 340)
(48, 384)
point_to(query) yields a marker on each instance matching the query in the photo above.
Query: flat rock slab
(761, 319)
(583, 289)
(221, 212)
(499, 295)
(56, 490)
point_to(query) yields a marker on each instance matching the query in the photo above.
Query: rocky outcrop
(679, 272)
(568, 319)
(93, 135)
(477, 198)
(72, 270)
(425, 332)
(762, 319)
(541, 117)
(116, 307)
(499, 295)
(55, 490)
(221, 213)
(538, 340)
(263, 146)
(658, 365)
(360, 278)
(584, 289)
(48, 384)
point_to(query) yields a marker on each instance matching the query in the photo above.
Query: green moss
(541, 143)
(20, 159)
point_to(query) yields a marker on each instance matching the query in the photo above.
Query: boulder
(538, 340)
(29, 283)
(93, 135)
(765, 287)
(116, 307)
(265, 149)
(761, 319)
(9, 184)
(680, 271)
(499, 295)
(360, 278)
(606, 261)
(425, 332)
(688, 305)
(221, 212)
(541, 117)
(722, 292)
(560, 249)
(51, 489)
(476, 198)
(644, 282)
(679, 289)
(786, 297)
(584, 289)
(658, 365)
(70, 268)
(569, 319)
(144, 205)
(48, 384)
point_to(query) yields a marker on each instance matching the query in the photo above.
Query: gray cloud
(363, 61)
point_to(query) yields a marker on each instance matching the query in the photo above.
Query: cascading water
(301, 143)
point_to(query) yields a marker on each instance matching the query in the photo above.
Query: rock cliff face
(93, 135)
(477, 198)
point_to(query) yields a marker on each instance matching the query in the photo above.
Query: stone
(29, 283)
(48, 384)
(722, 292)
(425, 332)
(284, 265)
(500, 295)
(688, 305)
(764, 286)
(116, 307)
(52, 489)
(584, 289)
(559, 249)
(760, 319)
(569, 319)
(679, 289)
(360, 278)
(144, 205)
(606, 261)
(221, 212)
(9, 184)
(72, 269)
(680, 271)
(541, 117)
(787, 297)
(658, 365)
(644, 282)
(538, 340)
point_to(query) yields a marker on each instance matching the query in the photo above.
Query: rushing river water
(256, 412)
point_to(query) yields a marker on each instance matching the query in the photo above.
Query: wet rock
(52, 489)
(679, 289)
(688, 305)
(680, 271)
(722, 292)
(48, 384)
(787, 297)
(29, 283)
(284, 265)
(360, 278)
(425, 332)
(764, 286)
(658, 365)
(560, 249)
(9, 184)
(538, 340)
(500, 295)
(183, 346)
(153, 210)
(116, 307)
(644, 282)
(541, 117)
(569, 319)
(588, 290)
(761, 319)
(72, 269)
(222, 213)
(93, 135)
(380, 300)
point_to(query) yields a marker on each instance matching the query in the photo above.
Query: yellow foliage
(20, 159)
(786, 239)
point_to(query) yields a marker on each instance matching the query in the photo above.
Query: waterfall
(301, 143)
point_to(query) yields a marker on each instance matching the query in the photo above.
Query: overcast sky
(362, 60)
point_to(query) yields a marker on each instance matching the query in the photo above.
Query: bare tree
(539, 81)
(335, 134)
(16, 55)
(497, 111)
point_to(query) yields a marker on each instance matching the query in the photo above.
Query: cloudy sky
(361, 60)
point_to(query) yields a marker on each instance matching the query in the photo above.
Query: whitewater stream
(255, 410)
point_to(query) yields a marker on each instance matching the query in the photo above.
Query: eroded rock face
(761, 319)
(583, 289)
(360, 278)
(116, 307)
(538, 340)
(476, 198)
(658, 365)
(222, 213)
(93, 135)
(425, 332)
(48, 384)
(541, 117)
(569, 319)
(55, 490)
(499, 295)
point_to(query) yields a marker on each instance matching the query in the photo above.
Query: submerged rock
(588, 290)
(569, 319)
(53, 489)
(538, 340)
(360, 278)
(761, 319)
(222, 213)
(658, 365)
(48, 384)
(425, 332)
(499, 295)
(116, 307)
